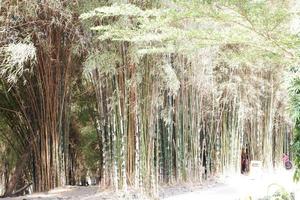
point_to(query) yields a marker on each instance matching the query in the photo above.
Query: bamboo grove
(167, 100)
(160, 130)
(38, 111)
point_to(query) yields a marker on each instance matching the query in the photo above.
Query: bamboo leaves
(255, 25)
(101, 61)
(126, 10)
(14, 60)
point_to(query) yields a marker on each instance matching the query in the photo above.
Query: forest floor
(238, 187)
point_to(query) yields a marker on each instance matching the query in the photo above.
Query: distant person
(244, 162)
(286, 161)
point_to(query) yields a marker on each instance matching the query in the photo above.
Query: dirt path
(242, 187)
(63, 193)
(226, 188)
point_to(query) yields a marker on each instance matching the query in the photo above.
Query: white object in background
(255, 168)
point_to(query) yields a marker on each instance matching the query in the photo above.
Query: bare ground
(237, 187)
